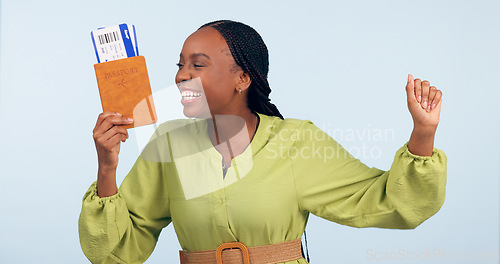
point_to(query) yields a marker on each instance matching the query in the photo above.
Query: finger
(438, 106)
(437, 99)
(115, 130)
(114, 121)
(432, 94)
(418, 89)
(109, 122)
(109, 144)
(114, 140)
(103, 116)
(124, 139)
(121, 130)
(410, 90)
(425, 94)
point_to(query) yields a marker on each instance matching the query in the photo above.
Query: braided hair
(250, 53)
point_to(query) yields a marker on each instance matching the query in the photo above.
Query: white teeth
(190, 94)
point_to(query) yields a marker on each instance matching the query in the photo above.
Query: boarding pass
(116, 42)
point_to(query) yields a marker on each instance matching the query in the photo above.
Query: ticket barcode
(108, 37)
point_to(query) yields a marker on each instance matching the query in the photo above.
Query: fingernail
(424, 104)
(130, 119)
(408, 77)
(433, 106)
(429, 108)
(118, 114)
(419, 98)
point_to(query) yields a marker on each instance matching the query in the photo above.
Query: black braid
(250, 53)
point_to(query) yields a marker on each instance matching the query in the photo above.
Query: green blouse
(290, 169)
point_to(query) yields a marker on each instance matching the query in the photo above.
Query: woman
(239, 172)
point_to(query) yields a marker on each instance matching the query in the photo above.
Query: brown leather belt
(238, 253)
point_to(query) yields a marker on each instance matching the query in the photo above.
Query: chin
(193, 112)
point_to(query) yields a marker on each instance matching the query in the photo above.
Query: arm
(123, 227)
(344, 190)
(340, 188)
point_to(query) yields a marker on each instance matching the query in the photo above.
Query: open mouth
(189, 95)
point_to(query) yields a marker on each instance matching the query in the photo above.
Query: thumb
(410, 89)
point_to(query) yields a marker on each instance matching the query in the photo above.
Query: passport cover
(124, 88)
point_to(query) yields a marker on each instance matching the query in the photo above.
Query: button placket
(219, 206)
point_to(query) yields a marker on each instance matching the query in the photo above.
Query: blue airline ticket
(116, 42)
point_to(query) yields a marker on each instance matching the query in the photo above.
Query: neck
(222, 128)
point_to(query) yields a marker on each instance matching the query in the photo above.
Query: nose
(183, 74)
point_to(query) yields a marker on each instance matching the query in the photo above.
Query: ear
(244, 81)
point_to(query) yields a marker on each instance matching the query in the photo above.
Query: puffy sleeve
(124, 228)
(332, 184)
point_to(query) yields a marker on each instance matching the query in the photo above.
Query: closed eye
(195, 65)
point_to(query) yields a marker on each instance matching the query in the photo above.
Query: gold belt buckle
(232, 245)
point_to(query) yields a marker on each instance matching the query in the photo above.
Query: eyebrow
(198, 55)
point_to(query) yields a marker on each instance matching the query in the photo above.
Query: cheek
(217, 87)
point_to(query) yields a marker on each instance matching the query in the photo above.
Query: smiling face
(208, 76)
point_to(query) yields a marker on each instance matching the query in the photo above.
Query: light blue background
(341, 64)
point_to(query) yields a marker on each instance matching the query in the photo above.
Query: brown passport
(124, 88)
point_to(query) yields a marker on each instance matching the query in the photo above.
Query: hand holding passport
(122, 75)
